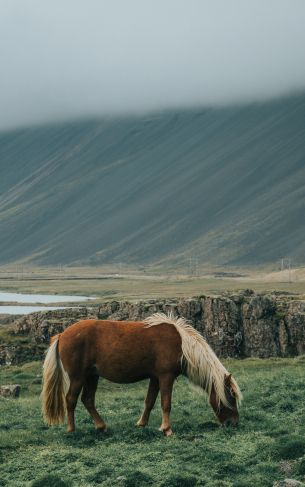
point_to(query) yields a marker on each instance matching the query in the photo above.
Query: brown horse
(160, 348)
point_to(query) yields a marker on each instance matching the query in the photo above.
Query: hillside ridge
(224, 185)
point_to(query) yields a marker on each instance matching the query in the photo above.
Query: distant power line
(193, 266)
(286, 266)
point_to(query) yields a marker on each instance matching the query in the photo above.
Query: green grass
(268, 445)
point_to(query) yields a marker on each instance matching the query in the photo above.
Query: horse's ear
(230, 385)
(228, 379)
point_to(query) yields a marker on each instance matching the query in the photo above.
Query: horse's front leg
(166, 387)
(149, 402)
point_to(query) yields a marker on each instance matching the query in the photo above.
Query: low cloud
(73, 58)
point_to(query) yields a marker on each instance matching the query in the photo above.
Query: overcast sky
(69, 58)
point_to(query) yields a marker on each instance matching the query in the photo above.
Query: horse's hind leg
(150, 400)
(166, 386)
(71, 401)
(88, 399)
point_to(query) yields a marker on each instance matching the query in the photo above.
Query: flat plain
(114, 283)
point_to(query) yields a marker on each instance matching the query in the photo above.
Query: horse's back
(120, 351)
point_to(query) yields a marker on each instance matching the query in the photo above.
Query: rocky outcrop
(10, 391)
(237, 325)
(41, 326)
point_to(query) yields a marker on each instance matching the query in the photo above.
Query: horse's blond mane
(203, 368)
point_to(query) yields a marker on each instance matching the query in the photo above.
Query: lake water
(26, 310)
(6, 297)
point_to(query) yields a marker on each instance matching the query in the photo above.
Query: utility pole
(193, 266)
(196, 267)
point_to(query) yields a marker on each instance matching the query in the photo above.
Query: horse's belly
(125, 376)
(123, 367)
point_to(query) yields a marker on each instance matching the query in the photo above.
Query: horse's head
(227, 414)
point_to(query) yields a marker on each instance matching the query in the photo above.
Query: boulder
(288, 483)
(10, 390)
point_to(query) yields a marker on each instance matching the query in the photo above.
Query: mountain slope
(226, 185)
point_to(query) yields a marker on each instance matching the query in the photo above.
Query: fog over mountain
(148, 131)
(62, 60)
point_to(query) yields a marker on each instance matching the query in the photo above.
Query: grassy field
(268, 445)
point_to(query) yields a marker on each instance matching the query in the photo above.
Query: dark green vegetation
(268, 445)
(224, 185)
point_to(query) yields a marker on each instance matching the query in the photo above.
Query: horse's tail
(56, 383)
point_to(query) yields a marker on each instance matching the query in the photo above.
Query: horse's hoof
(140, 424)
(102, 429)
(167, 431)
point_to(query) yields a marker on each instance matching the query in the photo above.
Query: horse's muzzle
(231, 422)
